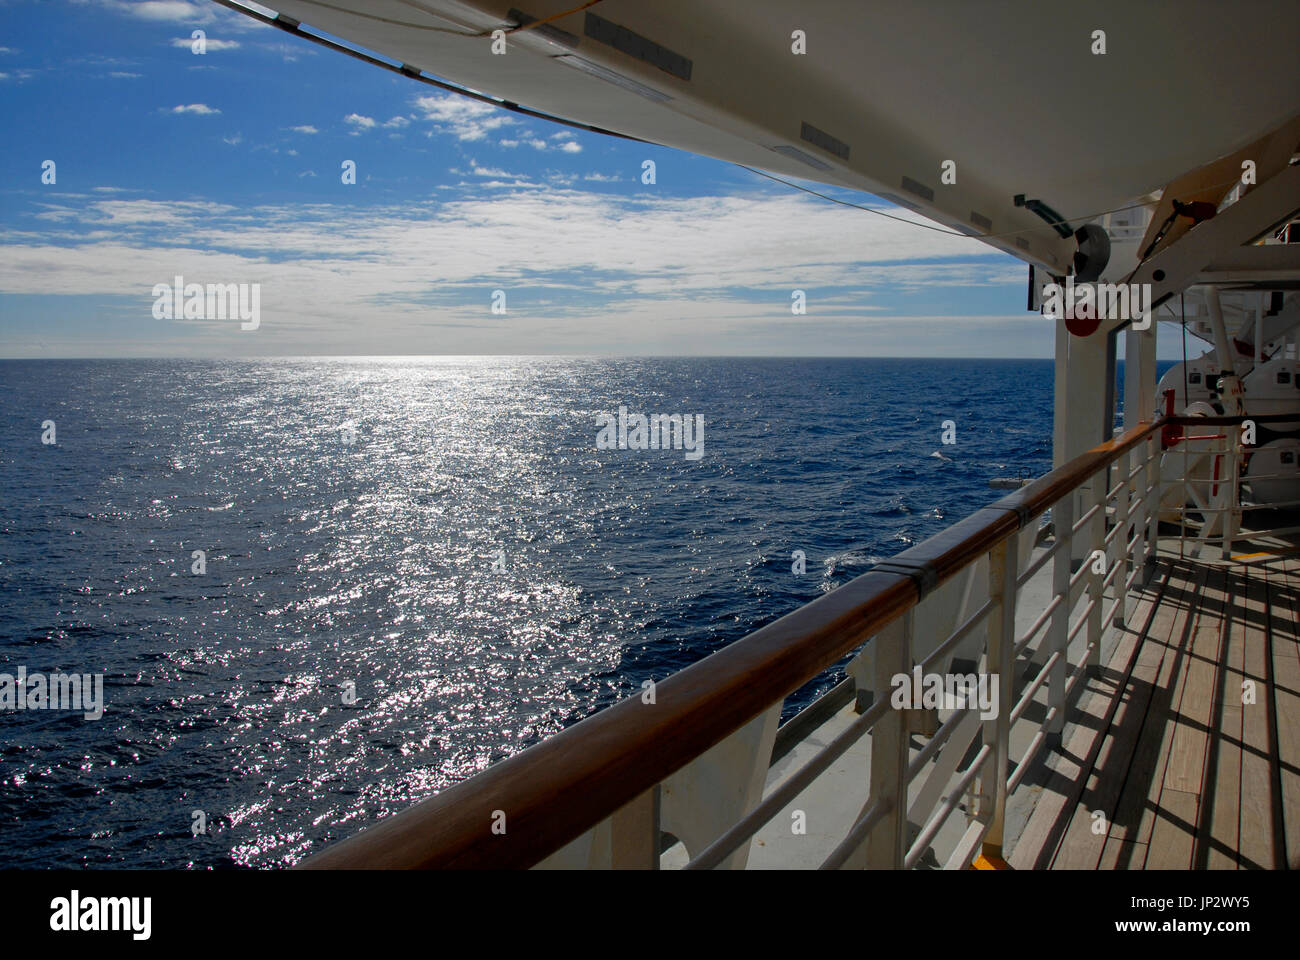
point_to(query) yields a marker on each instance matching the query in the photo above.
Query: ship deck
(1186, 749)
(1161, 763)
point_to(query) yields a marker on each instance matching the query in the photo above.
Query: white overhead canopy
(1010, 90)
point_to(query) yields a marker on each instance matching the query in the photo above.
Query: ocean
(321, 590)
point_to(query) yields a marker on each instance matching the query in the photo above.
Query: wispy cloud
(210, 44)
(569, 260)
(360, 122)
(198, 109)
(464, 118)
(305, 128)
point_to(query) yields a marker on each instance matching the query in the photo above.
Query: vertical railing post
(886, 844)
(1121, 540)
(1003, 569)
(1097, 538)
(634, 833)
(1059, 628)
(1138, 518)
(1155, 494)
(1182, 504)
(1232, 495)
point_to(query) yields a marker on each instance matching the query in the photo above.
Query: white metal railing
(954, 596)
(1115, 531)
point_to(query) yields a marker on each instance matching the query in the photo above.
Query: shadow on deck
(1184, 751)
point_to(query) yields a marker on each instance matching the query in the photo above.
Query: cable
(517, 28)
(977, 236)
(856, 206)
(378, 19)
(293, 28)
(554, 16)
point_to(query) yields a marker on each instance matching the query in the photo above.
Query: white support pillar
(1081, 419)
(1139, 375)
(1059, 628)
(1000, 663)
(886, 845)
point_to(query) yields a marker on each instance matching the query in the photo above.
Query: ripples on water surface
(371, 562)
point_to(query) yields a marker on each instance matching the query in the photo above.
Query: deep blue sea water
(370, 562)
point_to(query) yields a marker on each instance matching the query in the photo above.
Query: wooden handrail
(554, 791)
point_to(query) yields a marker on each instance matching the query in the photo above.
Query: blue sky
(226, 168)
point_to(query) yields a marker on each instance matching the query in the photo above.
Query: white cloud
(397, 122)
(357, 120)
(234, 141)
(210, 44)
(491, 172)
(466, 119)
(167, 10)
(705, 274)
(198, 109)
(305, 128)
(570, 146)
(601, 178)
(125, 75)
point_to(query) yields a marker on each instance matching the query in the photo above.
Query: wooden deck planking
(1177, 807)
(1108, 736)
(1256, 845)
(1135, 812)
(1219, 829)
(1285, 648)
(1185, 773)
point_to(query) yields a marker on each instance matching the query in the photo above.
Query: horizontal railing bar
(1083, 520)
(1079, 670)
(559, 788)
(776, 801)
(1111, 612)
(1111, 576)
(941, 815)
(1043, 617)
(1083, 618)
(1080, 573)
(973, 621)
(1105, 542)
(941, 736)
(1022, 767)
(857, 834)
(945, 765)
(1037, 565)
(1027, 697)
